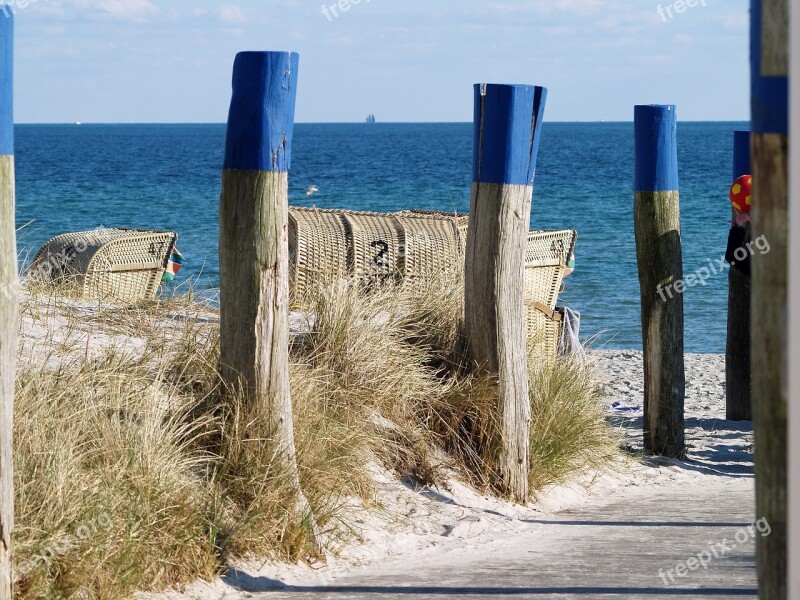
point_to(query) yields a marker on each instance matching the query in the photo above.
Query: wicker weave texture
(335, 243)
(377, 243)
(432, 242)
(550, 248)
(123, 265)
(418, 244)
(544, 334)
(542, 284)
(318, 247)
(546, 257)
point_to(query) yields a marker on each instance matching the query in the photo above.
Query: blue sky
(404, 60)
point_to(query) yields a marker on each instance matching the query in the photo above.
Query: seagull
(312, 189)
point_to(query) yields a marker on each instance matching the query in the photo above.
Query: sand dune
(445, 524)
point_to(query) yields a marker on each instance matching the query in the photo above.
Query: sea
(73, 178)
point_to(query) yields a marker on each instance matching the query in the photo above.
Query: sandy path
(619, 548)
(608, 539)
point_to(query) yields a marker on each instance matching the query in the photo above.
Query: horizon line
(82, 123)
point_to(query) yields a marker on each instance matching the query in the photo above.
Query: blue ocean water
(71, 178)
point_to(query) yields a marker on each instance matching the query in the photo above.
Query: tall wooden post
(737, 350)
(658, 249)
(794, 314)
(254, 248)
(8, 302)
(507, 129)
(770, 108)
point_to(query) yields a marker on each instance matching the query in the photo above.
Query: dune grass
(137, 470)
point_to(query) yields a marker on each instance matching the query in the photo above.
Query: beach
(117, 175)
(455, 525)
(422, 301)
(406, 522)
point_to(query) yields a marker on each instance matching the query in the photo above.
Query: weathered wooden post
(658, 249)
(794, 317)
(507, 129)
(8, 302)
(737, 350)
(770, 107)
(253, 245)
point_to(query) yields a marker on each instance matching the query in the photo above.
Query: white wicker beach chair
(363, 245)
(546, 259)
(118, 265)
(418, 244)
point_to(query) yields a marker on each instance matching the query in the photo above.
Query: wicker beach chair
(326, 244)
(376, 244)
(433, 242)
(415, 245)
(122, 265)
(546, 259)
(318, 247)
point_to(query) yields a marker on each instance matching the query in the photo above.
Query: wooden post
(8, 302)
(254, 248)
(658, 249)
(794, 316)
(507, 129)
(737, 350)
(770, 107)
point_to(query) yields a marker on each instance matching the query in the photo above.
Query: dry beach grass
(136, 470)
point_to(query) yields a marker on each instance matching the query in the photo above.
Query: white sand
(439, 525)
(57, 331)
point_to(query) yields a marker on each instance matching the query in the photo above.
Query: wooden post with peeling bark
(770, 121)
(254, 247)
(793, 507)
(507, 129)
(659, 254)
(8, 302)
(737, 349)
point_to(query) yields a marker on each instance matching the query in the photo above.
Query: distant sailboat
(371, 119)
(78, 123)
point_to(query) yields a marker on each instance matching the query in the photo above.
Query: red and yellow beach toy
(740, 193)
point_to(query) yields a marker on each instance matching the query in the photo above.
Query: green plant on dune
(569, 433)
(103, 439)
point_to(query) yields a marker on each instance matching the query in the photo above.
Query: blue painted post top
(507, 131)
(769, 95)
(6, 83)
(656, 147)
(741, 154)
(261, 117)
